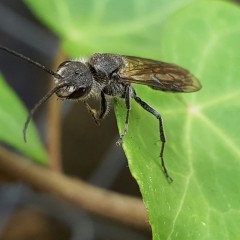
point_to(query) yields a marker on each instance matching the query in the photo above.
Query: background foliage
(12, 118)
(202, 152)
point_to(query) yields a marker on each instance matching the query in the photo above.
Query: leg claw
(119, 142)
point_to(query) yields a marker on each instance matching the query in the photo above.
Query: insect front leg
(128, 106)
(97, 116)
(161, 130)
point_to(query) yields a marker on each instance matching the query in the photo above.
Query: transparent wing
(158, 75)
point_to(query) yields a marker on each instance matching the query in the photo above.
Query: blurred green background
(202, 153)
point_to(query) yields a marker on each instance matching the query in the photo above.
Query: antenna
(47, 96)
(27, 59)
(41, 101)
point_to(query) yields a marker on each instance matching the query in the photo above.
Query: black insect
(108, 76)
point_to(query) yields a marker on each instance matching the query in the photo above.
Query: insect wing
(158, 75)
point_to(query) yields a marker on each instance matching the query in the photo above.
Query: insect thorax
(105, 65)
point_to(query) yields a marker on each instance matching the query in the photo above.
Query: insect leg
(103, 109)
(128, 106)
(162, 134)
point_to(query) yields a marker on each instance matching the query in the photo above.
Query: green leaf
(13, 115)
(90, 26)
(202, 153)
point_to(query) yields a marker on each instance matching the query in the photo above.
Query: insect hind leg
(161, 130)
(128, 106)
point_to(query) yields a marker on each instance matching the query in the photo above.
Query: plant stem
(114, 206)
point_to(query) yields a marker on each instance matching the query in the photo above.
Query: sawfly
(107, 76)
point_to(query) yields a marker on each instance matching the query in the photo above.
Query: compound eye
(80, 92)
